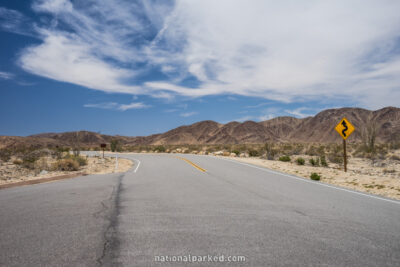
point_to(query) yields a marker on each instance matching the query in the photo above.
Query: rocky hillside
(319, 128)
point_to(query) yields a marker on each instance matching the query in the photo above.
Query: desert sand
(380, 178)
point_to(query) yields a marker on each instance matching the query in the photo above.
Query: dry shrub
(5, 155)
(42, 164)
(395, 157)
(17, 162)
(66, 165)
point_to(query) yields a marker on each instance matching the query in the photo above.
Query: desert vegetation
(25, 163)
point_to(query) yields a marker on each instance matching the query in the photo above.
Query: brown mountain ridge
(318, 128)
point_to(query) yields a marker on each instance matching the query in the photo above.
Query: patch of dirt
(380, 177)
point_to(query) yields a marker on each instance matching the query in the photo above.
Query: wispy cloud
(117, 106)
(307, 51)
(6, 75)
(299, 112)
(245, 118)
(14, 21)
(257, 106)
(188, 114)
(266, 117)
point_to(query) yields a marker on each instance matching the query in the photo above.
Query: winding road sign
(344, 128)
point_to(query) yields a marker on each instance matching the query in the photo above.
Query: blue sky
(142, 67)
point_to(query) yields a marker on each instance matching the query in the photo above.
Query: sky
(142, 67)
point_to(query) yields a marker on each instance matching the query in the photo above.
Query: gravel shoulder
(382, 178)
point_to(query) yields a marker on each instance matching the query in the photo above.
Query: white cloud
(266, 117)
(6, 75)
(188, 114)
(288, 51)
(137, 105)
(116, 106)
(299, 112)
(15, 21)
(245, 118)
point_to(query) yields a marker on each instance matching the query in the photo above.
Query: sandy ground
(380, 178)
(12, 173)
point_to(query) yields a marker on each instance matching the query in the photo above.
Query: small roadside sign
(344, 128)
(103, 146)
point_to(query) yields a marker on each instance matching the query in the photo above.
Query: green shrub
(314, 176)
(81, 160)
(66, 165)
(323, 161)
(300, 161)
(314, 162)
(253, 153)
(284, 158)
(160, 148)
(237, 152)
(28, 161)
(114, 145)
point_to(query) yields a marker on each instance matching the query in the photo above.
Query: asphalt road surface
(165, 208)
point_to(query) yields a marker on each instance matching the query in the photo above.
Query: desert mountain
(319, 128)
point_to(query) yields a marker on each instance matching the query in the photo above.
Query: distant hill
(319, 128)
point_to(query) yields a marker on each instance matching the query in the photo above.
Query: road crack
(110, 211)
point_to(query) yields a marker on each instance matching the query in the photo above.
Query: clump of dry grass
(66, 165)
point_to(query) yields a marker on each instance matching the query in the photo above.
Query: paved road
(170, 208)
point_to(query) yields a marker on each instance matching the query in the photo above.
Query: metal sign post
(103, 146)
(344, 155)
(345, 129)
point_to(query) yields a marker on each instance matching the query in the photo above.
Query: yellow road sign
(344, 128)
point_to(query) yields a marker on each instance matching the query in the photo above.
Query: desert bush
(300, 161)
(297, 149)
(385, 171)
(81, 160)
(395, 145)
(114, 145)
(41, 164)
(323, 161)
(160, 148)
(253, 153)
(395, 157)
(66, 165)
(28, 161)
(270, 151)
(312, 151)
(314, 162)
(5, 155)
(284, 158)
(314, 176)
(237, 152)
(17, 161)
(59, 151)
(368, 136)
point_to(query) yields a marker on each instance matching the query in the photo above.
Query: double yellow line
(191, 163)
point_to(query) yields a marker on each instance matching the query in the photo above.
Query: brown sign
(103, 145)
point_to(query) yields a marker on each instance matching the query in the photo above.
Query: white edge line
(137, 167)
(307, 181)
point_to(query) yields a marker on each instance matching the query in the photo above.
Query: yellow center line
(191, 163)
